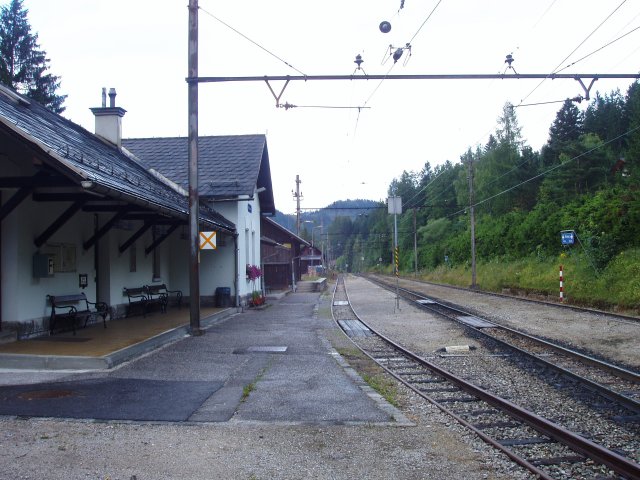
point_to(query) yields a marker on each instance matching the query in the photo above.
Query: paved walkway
(270, 365)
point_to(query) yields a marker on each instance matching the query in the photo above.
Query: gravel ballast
(434, 446)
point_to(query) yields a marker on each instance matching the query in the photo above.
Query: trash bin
(223, 297)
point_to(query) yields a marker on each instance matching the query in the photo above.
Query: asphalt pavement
(268, 365)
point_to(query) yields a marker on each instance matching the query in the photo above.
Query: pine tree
(23, 66)
(632, 109)
(605, 116)
(566, 128)
(508, 131)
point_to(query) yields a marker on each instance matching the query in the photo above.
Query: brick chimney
(109, 119)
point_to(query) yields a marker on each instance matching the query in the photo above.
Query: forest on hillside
(585, 179)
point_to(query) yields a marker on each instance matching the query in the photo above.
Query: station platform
(96, 347)
(274, 364)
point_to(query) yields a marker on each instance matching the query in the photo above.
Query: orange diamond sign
(208, 241)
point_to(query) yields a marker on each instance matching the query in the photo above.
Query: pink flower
(253, 272)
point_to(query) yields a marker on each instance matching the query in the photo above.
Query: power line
(555, 167)
(408, 45)
(539, 103)
(426, 20)
(574, 50)
(544, 13)
(597, 50)
(250, 40)
(424, 188)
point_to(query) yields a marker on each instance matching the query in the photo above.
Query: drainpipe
(236, 279)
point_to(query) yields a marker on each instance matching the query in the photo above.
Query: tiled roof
(285, 231)
(228, 165)
(81, 155)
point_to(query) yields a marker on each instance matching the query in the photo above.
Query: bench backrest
(156, 289)
(65, 300)
(134, 291)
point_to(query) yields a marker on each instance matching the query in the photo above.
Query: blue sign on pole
(568, 237)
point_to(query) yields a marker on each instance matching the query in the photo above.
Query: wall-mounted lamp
(86, 184)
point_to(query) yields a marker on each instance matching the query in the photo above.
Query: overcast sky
(139, 47)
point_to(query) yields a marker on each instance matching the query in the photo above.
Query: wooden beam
(38, 180)
(122, 248)
(106, 207)
(63, 197)
(158, 241)
(59, 222)
(154, 218)
(14, 201)
(105, 228)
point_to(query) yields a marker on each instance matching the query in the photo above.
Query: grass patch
(372, 374)
(384, 385)
(247, 389)
(616, 287)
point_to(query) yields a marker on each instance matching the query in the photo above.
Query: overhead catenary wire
(549, 170)
(425, 21)
(408, 43)
(573, 51)
(408, 202)
(250, 40)
(557, 70)
(436, 6)
(287, 106)
(544, 14)
(597, 50)
(539, 103)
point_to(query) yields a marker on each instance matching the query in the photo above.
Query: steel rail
(618, 463)
(593, 311)
(606, 392)
(486, 438)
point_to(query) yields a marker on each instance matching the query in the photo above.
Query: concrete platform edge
(60, 362)
(399, 418)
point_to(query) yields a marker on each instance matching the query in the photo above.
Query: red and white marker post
(561, 285)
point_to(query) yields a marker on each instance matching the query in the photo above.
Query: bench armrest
(70, 309)
(143, 296)
(101, 307)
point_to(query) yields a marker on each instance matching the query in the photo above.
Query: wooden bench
(139, 297)
(161, 291)
(74, 309)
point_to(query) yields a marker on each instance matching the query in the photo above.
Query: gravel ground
(434, 447)
(426, 334)
(38, 449)
(605, 335)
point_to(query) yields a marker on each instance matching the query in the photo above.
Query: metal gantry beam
(446, 76)
(579, 77)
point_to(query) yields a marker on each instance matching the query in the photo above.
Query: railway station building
(93, 213)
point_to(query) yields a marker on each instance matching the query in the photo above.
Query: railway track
(615, 383)
(566, 306)
(540, 445)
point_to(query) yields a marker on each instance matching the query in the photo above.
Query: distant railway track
(615, 383)
(540, 445)
(390, 278)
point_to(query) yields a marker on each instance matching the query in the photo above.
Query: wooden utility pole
(194, 207)
(415, 243)
(472, 220)
(297, 195)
